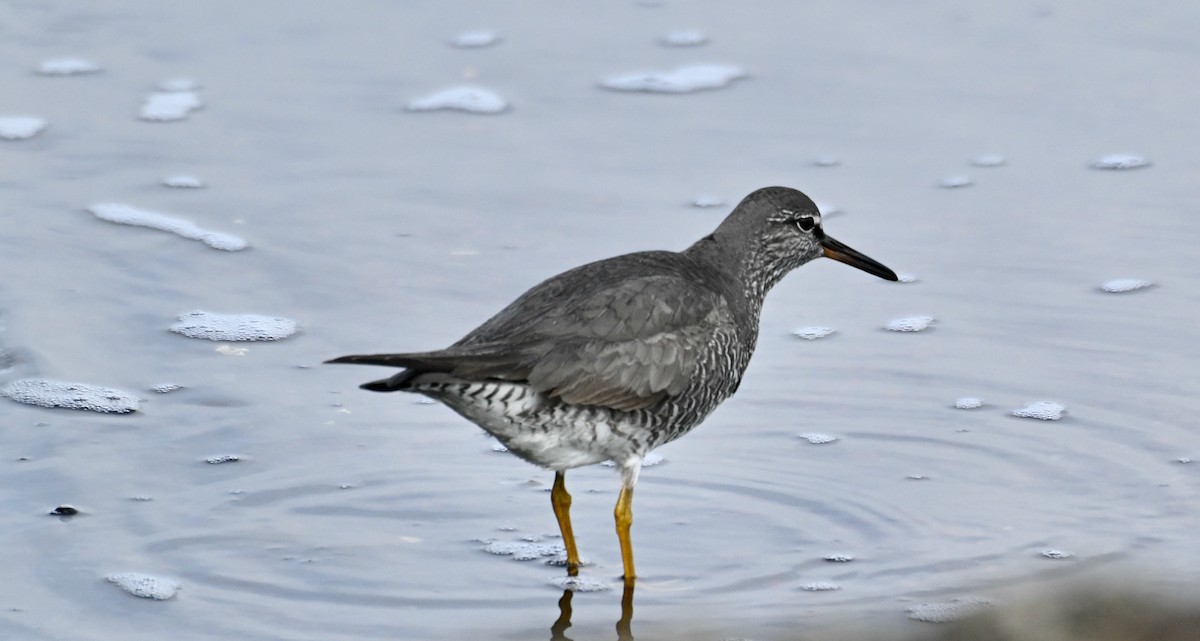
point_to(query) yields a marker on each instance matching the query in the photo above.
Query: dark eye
(806, 223)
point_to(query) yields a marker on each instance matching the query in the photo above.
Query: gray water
(353, 515)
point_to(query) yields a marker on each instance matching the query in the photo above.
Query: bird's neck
(742, 266)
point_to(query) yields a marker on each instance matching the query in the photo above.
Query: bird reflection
(624, 624)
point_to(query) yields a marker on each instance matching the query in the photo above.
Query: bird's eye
(806, 223)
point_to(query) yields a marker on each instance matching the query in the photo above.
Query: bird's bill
(845, 254)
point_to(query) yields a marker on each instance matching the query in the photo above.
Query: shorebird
(612, 359)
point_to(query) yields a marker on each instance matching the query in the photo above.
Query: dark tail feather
(389, 360)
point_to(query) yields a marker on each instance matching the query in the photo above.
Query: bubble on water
(989, 160)
(917, 477)
(1120, 161)
(910, 324)
(820, 586)
(475, 39)
(20, 127)
(145, 585)
(1122, 285)
(230, 350)
(179, 84)
(475, 100)
(947, 611)
(560, 561)
(838, 558)
(826, 161)
(166, 388)
(954, 182)
(817, 438)
(968, 403)
(67, 67)
(813, 332)
(684, 38)
(1051, 553)
(233, 327)
(77, 396)
(1043, 410)
(707, 201)
(222, 458)
(183, 182)
(523, 550)
(579, 584)
(127, 215)
(167, 106)
(681, 80)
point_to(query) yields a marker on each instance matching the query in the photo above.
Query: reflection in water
(624, 624)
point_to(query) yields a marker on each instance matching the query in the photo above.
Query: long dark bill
(854, 258)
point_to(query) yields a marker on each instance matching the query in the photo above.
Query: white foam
(475, 39)
(968, 403)
(183, 182)
(20, 127)
(817, 438)
(145, 585)
(905, 277)
(910, 324)
(77, 396)
(820, 586)
(67, 67)
(707, 201)
(684, 38)
(470, 99)
(524, 550)
(681, 80)
(1051, 553)
(1122, 285)
(233, 327)
(1042, 410)
(954, 182)
(222, 458)
(947, 611)
(838, 558)
(169, 105)
(579, 584)
(128, 215)
(1120, 161)
(166, 388)
(988, 160)
(812, 332)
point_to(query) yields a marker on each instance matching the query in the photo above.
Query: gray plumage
(614, 358)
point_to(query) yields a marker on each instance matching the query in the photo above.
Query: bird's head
(777, 229)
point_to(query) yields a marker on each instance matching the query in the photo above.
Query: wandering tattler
(614, 358)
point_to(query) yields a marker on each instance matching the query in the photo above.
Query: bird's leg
(561, 500)
(624, 516)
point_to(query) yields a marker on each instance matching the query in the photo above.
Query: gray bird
(612, 359)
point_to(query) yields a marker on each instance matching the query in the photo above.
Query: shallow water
(357, 515)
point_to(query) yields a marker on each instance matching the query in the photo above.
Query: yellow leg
(624, 516)
(561, 500)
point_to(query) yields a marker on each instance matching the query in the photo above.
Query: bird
(614, 358)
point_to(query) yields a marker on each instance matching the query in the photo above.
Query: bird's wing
(624, 346)
(629, 346)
